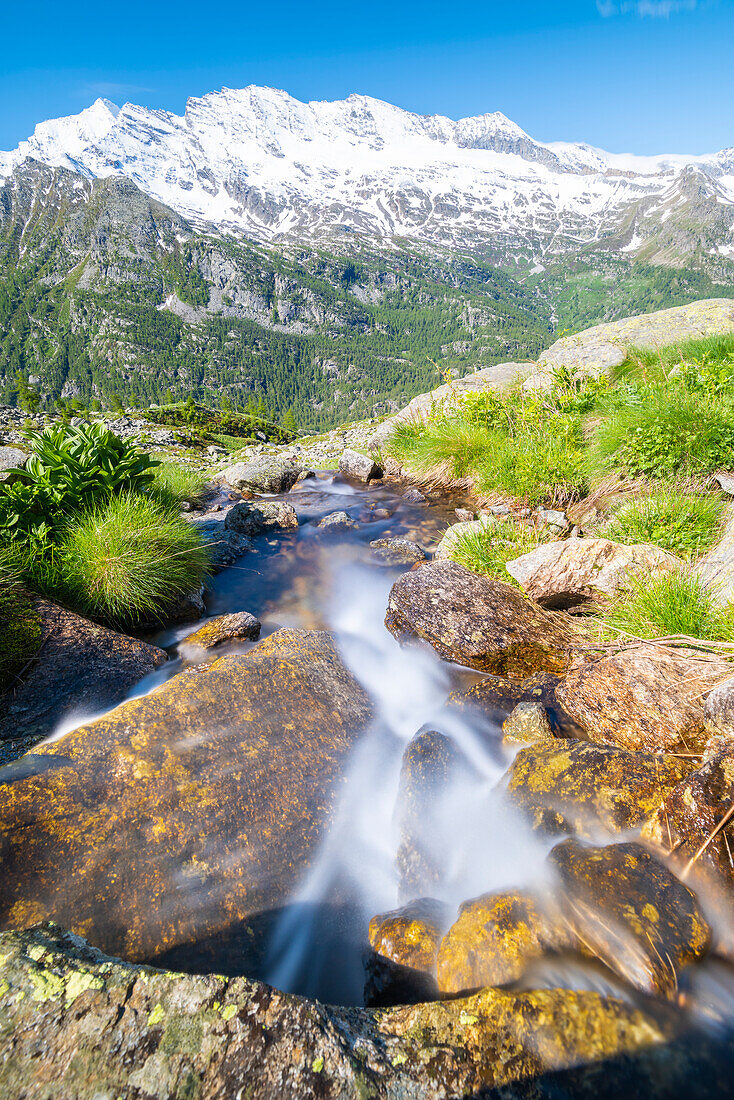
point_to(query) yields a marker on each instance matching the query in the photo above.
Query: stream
(321, 579)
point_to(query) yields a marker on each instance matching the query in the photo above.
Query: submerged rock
(414, 496)
(646, 698)
(577, 787)
(254, 517)
(262, 475)
(494, 697)
(189, 813)
(477, 621)
(631, 912)
(561, 574)
(82, 668)
(431, 763)
(397, 551)
(493, 940)
(401, 967)
(108, 1028)
(337, 521)
(360, 467)
(225, 628)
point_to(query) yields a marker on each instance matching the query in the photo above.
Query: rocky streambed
(498, 848)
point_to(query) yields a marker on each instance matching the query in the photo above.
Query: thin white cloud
(652, 9)
(110, 88)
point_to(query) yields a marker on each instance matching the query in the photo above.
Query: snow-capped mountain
(260, 163)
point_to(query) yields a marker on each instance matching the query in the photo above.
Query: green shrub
(174, 484)
(663, 432)
(128, 559)
(20, 625)
(487, 550)
(705, 365)
(657, 605)
(683, 523)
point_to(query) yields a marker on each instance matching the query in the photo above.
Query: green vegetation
(20, 628)
(684, 523)
(206, 423)
(488, 550)
(93, 521)
(128, 558)
(661, 605)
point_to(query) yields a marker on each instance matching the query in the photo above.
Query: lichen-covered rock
(240, 625)
(255, 517)
(12, 459)
(457, 531)
(359, 467)
(494, 939)
(397, 551)
(690, 813)
(526, 724)
(109, 1028)
(431, 763)
(646, 698)
(578, 787)
(494, 697)
(477, 621)
(82, 668)
(561, 574)
(630, 911)
(337, 521)
(262, 475)
(186, 816)
(718, 709)
(401, 967)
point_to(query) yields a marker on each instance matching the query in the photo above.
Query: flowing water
(319, 579)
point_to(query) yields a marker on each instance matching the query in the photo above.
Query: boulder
(630, 911)
(526, 724)
(262, 475)
(397, 551)
(112, 1028)
(478, 621)
(337, 521)
(431, 763)
(182, 819)
(357, 466)
(553, 518)
(597, 351)
(494, 697)
(224, 628)
(256, 517)
(401, 967)
(716, 568)
(561, 574)
(456, 531)
(503, 376)
(12, 459)
(224, 545)
(645, 698)
(685, 823)
(718, 709)
(493, 940)
(81, 668)
(577, 787)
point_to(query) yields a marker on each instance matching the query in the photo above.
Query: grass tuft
(129, 559)
(487, 550)
(174, 485)
(680, 522)
(658, 605)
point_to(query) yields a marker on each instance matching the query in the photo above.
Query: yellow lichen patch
(80, 982)
(156, 1016)
(45, 984)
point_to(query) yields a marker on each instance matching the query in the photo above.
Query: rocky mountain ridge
(258, 162)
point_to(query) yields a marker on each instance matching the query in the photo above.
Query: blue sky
(627, 75)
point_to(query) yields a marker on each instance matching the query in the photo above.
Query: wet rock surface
(397, 551)
(81, 668)
(631, 912)
(478, 622)
(646, 698)
(718, 709)
(494, 939)
(241, 625)
(526, 724)
(494, 697)
(108, 1028)
(401, 965)
(561, 574)
(186, 816)
(337, 521)
(578, 787)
